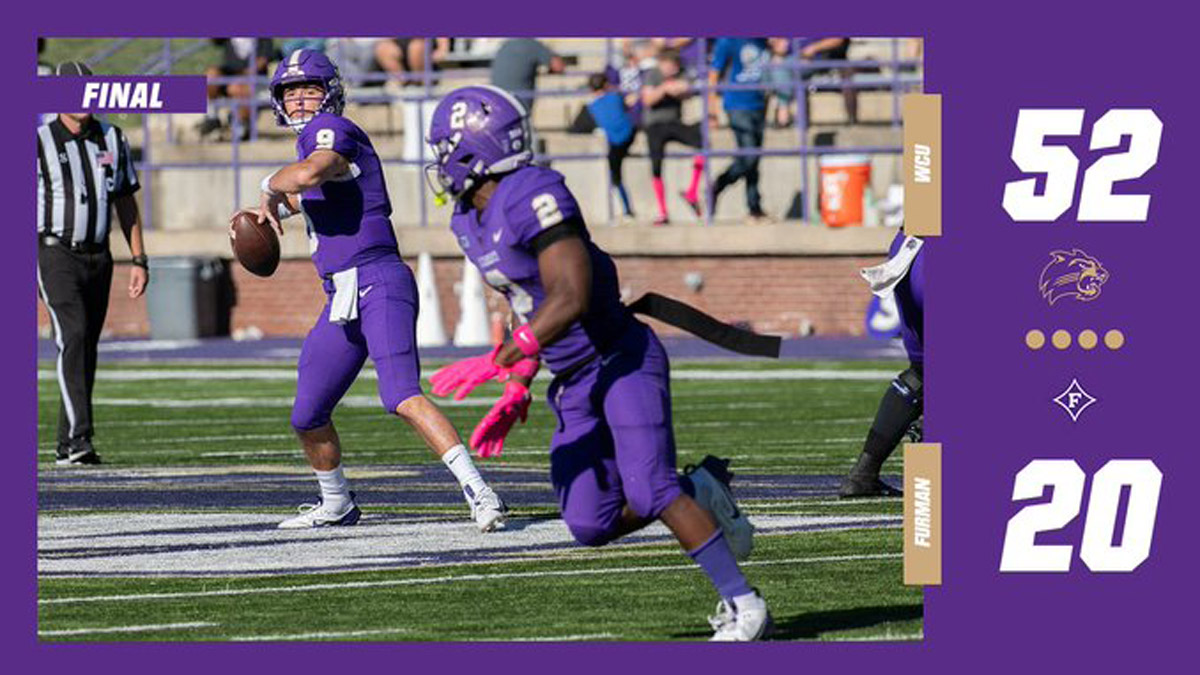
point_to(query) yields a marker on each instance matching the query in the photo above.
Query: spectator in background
(832, 49)
(664, 89)
(740, 61)
(637, 56)
(516, 64)
(356, 60)
(292, 44)
(781, 73)
(401, 57)
(691, 52)
(608, 110)
(240, 57)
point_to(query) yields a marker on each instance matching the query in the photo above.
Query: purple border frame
(988, 395)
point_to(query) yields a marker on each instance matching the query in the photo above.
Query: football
(255, 245)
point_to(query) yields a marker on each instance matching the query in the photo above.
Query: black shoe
(866, 486)
(711, 197)
(694, 203)
(81, 453)
(209, 125)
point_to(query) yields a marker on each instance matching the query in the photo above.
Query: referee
(84, 168)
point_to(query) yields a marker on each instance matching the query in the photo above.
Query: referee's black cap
(73, 69)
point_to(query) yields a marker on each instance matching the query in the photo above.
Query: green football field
(174, 538)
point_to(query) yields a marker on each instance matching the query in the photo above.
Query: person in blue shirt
(741, 61)
(609, 111)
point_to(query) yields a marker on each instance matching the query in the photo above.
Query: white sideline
(126, 629)
(445, 579)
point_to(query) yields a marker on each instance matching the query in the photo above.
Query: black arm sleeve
(571, 227)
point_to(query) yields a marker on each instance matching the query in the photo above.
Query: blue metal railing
(897, 83)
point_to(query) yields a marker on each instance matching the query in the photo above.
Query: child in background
(663, 91)
(608, 110)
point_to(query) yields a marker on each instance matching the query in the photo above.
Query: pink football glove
(488, 439)
(463, 376)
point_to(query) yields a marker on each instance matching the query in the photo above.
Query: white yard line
(457, 578)
(559, 638)
(273, 402)
(319, 636)
(126, 629)
(289, 375)
(885, 637)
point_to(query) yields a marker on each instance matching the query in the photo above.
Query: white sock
(458, 460)
(748, 601)
(335, 490)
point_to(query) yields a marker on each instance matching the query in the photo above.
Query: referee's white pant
(74, 286)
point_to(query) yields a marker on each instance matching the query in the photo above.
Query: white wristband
(266, 184)
(284, 210)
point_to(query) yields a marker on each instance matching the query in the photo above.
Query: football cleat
(744, 621)
(487, 509)
(711, 482)
(318, 515)
(79, 455)
(854, 486)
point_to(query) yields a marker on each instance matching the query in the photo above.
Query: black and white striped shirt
(79, 176)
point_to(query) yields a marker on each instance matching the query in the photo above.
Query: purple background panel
(177, 93)
(988, 396)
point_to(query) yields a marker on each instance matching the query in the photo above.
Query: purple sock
(715, 558)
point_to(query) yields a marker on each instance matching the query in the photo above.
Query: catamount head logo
(1072, 273)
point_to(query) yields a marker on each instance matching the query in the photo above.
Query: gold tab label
(923, 514)
(923, 164)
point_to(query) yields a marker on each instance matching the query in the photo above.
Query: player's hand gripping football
(488, 437)
(268, 209)
(463, 376)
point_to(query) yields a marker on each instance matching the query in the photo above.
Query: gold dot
(1035, 339)
(1061, 339)
(1114, 339)
(1087, 339)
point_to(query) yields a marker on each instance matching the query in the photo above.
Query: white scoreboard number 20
(1140, 480)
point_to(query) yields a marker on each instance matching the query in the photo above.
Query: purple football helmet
(476, 132)
(307, 66)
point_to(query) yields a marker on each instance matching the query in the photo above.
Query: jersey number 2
(546, 208)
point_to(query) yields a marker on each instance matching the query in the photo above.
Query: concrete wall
(776, 278)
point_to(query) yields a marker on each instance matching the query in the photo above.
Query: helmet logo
(458, 115)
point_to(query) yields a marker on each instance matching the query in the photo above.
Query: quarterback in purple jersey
(612, 455)
(899, 412)
(371, 307)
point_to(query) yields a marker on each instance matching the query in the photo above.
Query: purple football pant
(385, 330)
(910, 299)
(614, 444)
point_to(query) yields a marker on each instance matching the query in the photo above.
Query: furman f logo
(1072, 273)
(1074, 400)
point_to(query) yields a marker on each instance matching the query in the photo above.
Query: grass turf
(822, 585)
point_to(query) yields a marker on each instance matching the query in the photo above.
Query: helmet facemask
(308, 109)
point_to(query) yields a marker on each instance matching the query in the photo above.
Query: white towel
(344, 306)
(884, 277)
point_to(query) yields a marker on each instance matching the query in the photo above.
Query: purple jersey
(348, 218)
(500, 243)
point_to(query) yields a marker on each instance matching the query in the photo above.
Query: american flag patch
(105, 158)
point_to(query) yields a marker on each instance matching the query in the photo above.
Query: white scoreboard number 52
(1097, 203)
